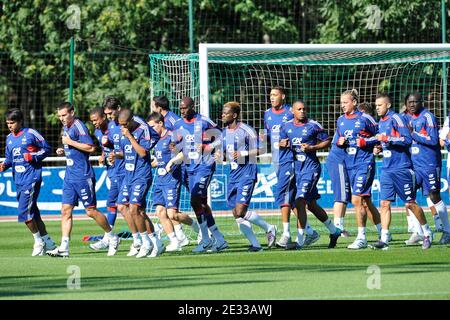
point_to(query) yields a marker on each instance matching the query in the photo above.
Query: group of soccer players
(184, 150)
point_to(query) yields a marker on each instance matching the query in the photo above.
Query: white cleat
(157, 250)
(183, 241)
(271, 236)
(38, 249)
(414, 240)
(283, 242)
(358, 244)
(113, 245)
(134, 249)
(144, 251)
(99, 245)
(58, 253)
(174, 246)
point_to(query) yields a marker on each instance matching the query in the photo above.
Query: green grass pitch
(313, 273)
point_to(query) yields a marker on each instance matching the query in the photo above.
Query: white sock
(384, 235)
(254, 218)
(179, 231)
(216, 233)
(37, 237)
(442, 213)
(172, 237)
(361, 233)
(378, 226)
(246, 229)
(339, 223)
(136, 238)
(154, 239)
(330, 226)
(300, 234)
(64, 244)
(410, 221)
(417, 228)
(426, 230)
(145, 240)
(286, 228)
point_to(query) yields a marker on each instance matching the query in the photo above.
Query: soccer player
(305, 137)
(240, 146)
(356, 136)
(79, 180)
(99, 120)
(160, 104)
(397, 176)
(197, 137)
(274, 118)
(25, 150)
(135, 144)
(413, 224)
(167, 186)
(111, 108)
(427, 160)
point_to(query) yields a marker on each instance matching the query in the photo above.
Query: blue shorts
(84, 190)
(167, 196)
(27, 201)
(428, 179)
(240, 192)
(113, 192)
(340, 182)
(199, 182)
(401, 182)
(306, 183)
(285, 189)
(184, 176)
(361, 179)
(134, 193)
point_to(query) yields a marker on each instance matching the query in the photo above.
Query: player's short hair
(66, 105)
(299, 101)
(234, 106)
(417, 94)
(126, 114)
(279, 88)
(162, 102)
(156, 117)
(112, 103)
(366, 107)
(352, 93)
(14, 114)
(188, 102)
(383, 95)
(97, 110)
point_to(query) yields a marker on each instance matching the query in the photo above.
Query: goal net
(317, 74)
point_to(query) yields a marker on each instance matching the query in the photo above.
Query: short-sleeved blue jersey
(425, 147)
(169, 120)
(189, 135)
(163, 154)
(137, 168)
(273, 120)
(78, 166)
(396, 154)
(27, 140)
(99, 134)
(241, 138)
(310, 132)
